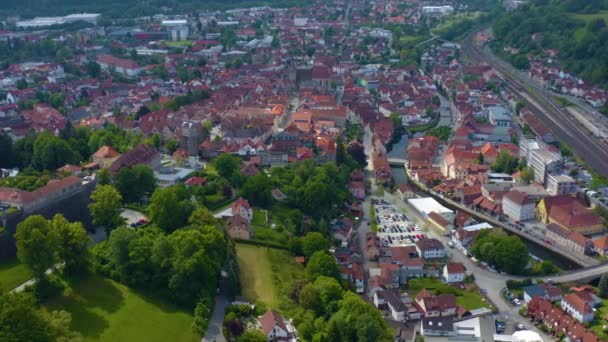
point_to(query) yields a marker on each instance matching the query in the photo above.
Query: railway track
(566, 129)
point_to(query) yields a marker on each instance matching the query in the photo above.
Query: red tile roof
(270, 320)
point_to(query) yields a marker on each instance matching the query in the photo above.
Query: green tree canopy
(73, 244)
(322, 264)
(507, 253)
(106, 206)
(21, 320)
(171, 207)
(313, 242)
(50, 152)
(257, 190)
(37, 244)
(135, 182)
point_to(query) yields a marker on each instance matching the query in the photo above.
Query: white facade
(437, 9)
(277, 333)
(432, 253)
(451, 278)
(577, 315)
(178, 29)
(398, 312)
(518, 212)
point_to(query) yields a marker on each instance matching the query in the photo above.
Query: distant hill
(128, 8)
(578, 29)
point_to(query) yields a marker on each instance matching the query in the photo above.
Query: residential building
(436, 306)
(518, 206)
(545, 291)
(437, 326)
(542, 311)
(105, 156)
(241, 208)
(570, 213)
(561, 184)
(454, 272)
(31, 201)
(396, 307)
(141, 155)
(273, 326)
(405, 192)
(579, 306)
(574, 241)
(430, 248)
(542, 158)
(600, 245)
(122, 66)
(238, 227)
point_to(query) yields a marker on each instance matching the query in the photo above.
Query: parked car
(516, 301)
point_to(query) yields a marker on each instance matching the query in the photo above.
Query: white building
(300, 21)
(428, 205)
(430, 249)
(178, 29)
(541, 159)
(441, 10)
(518, 206)
(578, 308)
(92, 18)
(454, 272)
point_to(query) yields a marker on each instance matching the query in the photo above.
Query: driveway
(214, 330)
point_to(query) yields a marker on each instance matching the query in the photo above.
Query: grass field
(592, 16)
(12, 274)
(181, 43)
(256, 275)
(103, 310)
(267, 274)
(469, 299)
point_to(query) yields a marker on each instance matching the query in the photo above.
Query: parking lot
(394, 227)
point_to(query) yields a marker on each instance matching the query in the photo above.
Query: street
(214, 330)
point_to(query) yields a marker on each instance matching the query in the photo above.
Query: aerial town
(331, 171)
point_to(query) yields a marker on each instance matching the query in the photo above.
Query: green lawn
(259, 217)
(469, 299)
(103, 310)
(256, 275)
(181, 43)
(267, 274)
(12, 274)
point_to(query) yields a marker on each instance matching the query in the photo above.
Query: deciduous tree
(73, 242)
(171, 207)
(37, 245)
(322, 264)
(105, 207)
(313, 242)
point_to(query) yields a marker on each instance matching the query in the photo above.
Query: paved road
(214, 330)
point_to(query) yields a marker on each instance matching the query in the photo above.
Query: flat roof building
(428, 205)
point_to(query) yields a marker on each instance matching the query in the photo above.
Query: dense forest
(576, 28)
(129, 8)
